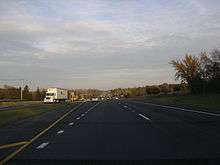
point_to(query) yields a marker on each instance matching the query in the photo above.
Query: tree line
(149, 90)
(13, 93)
(86, 93)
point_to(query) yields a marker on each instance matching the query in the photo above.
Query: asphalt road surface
(125, 130)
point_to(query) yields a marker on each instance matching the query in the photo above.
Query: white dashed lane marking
(83, 115)
(42, 145)
(70, 123)
(61, 131)
(77, 118)
(144, 117)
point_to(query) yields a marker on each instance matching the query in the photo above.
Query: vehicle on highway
(95, 99)
(56, 95)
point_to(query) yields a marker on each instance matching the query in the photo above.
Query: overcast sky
(102, 44)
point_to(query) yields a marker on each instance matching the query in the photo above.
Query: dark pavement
(126, 130)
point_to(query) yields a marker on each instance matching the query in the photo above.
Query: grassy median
(12, 115)
(207, 101)
(15, 103)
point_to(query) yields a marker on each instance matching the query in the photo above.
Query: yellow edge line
(13, 144)
(10, 156)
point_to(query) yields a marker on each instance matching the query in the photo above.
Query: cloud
(92, 25)
(103, 41)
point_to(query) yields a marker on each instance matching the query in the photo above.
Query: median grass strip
(15, 103)
(10, 116)
(205, 101)
(199, 102)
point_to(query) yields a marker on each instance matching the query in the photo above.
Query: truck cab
(50, 97)
(54, 95)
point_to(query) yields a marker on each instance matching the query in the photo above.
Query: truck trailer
(56, 95)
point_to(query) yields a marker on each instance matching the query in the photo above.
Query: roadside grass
(15, 103)
(10, 116)
(205, 101)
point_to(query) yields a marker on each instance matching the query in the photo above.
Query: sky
(102, 44)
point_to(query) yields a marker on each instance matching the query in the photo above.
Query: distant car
(95, 99)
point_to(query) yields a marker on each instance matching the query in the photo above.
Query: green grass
(14, 103)
(207, 101)
(10, 116)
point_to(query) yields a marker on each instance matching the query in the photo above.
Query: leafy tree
(215, 57)
(206, 67)
(187, 69)
(214, 71)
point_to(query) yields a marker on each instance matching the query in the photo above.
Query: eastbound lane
(128, 131)
(182, 124)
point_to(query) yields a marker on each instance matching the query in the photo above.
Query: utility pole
(21, 94)
(21, 89)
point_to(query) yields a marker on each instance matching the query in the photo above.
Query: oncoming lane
(56, 125)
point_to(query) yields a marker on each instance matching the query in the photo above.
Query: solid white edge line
(182, 109)
(144, 116)
(42, 145)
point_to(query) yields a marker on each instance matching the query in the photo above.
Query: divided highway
(124, 130)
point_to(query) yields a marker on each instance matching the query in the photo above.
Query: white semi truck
(56, 95)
